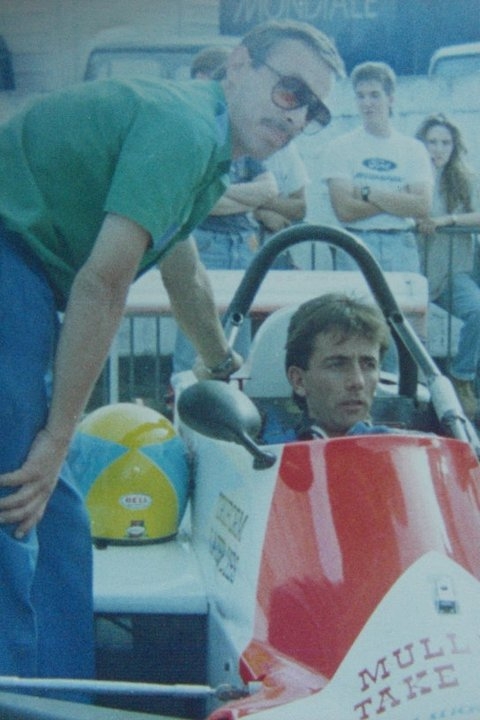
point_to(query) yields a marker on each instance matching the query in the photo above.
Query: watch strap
(365, 193)
(224, 367)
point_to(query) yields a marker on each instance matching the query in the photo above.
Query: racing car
(345, 570)
(342, 575)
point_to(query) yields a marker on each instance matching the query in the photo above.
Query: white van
(454, 60)
(128, 52)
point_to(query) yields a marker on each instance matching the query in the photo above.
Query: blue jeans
(394, 251)
(46, 604)
(465, 304)
(219, 251)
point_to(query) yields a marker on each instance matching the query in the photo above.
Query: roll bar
(412, 354)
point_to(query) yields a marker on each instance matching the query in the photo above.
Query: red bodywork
(348, 517)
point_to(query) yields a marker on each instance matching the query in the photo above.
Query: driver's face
(340, 381)
(259, 126)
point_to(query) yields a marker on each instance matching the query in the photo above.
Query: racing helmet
(132, 468)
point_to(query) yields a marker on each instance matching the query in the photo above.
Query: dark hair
(262, 39)
(379, 71)
(455, 181)
(210, 62)
(332, 312)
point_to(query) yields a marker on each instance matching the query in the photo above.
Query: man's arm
(92, 316)
(283, 210)
(193, 305)
(246, 196)
(347, 208)
(348, 204)
(428, 225)
(413, 201)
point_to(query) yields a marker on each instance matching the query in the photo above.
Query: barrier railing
(144, 344)
(444, 326)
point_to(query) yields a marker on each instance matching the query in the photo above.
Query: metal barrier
(444, 327)
(145, 345)
(143, 349)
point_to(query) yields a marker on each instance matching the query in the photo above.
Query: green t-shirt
(157, 153)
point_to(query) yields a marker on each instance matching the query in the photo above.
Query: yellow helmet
(132, 468)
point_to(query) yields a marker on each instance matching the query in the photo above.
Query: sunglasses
(291, 93)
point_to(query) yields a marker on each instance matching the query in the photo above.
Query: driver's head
(334, 349)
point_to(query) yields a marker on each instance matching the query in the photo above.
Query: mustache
(281, 126)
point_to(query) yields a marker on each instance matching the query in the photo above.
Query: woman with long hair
(455, 202)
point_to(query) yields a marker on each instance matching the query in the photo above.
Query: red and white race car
(344, 572)
(340, 578)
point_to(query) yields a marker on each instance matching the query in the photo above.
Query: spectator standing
(210, 63)
(289, 206)
(378, 179)
(230, 236)
(100, 182)
(456, 201)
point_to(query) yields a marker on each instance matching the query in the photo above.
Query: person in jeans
(289, 206)
(379, 179)
(100, 182)
(230, 236)
(456, 201)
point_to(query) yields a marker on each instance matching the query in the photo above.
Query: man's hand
(426, 226)
(35, 482)
(246, 196)
(191, 298)
(272, 220)
(282, 210)
(93, 313)
(266, 188)
(202, 372)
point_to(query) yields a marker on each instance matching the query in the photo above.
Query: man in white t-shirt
(378, 179)
(289, 206)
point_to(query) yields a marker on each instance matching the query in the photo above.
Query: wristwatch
(365, 193)
(224, 367)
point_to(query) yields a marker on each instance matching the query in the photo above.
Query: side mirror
(221, 411)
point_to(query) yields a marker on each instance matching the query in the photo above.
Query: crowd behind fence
(144, 358)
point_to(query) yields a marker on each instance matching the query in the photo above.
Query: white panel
(47, 37)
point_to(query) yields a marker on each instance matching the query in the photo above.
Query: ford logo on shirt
(379, 164)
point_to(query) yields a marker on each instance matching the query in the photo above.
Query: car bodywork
(361, 554)
(341, 576)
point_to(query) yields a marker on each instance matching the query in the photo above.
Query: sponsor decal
(135, 501)
(413, 660)
(226, 535)
(232, 517)
(224, 556)
(379, 164)
(418, 668)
